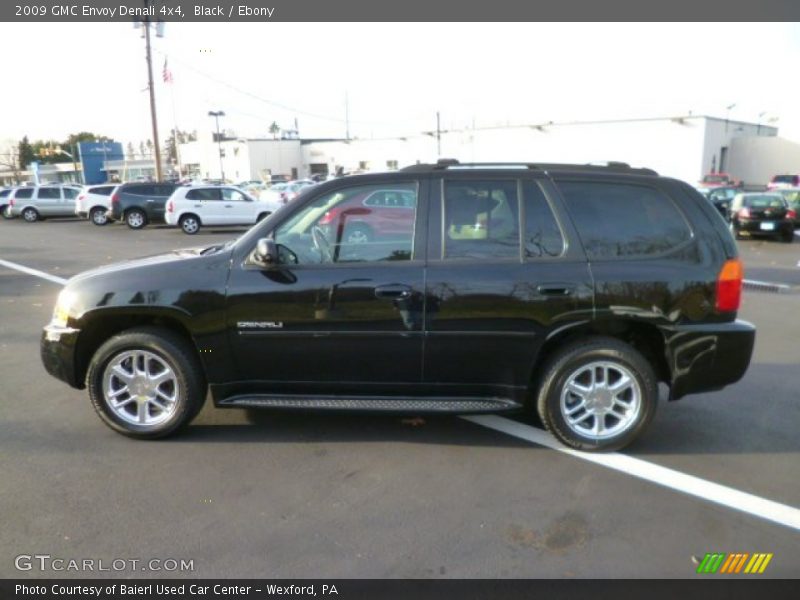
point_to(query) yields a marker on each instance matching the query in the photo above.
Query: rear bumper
(754, 227)
(57, 350)
(705, 358)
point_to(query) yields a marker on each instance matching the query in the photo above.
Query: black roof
(450, 163)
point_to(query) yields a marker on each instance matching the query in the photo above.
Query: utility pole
(438, 136)
(217, 114)
(150, 86)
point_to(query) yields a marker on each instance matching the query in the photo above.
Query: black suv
(571, 291)
(140, 203)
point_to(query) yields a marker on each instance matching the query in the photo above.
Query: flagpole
(171, 80)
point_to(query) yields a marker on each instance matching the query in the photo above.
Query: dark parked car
(140, 203)
(563, 290)
(721, 198)
(762, 214)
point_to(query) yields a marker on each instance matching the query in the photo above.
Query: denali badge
(259, 324)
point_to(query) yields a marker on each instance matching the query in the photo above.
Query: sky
(396, 76)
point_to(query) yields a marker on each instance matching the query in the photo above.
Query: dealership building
(684, 146)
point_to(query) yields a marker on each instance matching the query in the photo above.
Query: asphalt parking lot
(296, 496)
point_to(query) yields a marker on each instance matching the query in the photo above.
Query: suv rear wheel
(98, 215)
(146, 383)
(190, 224)
(135, 218)
(598, 394)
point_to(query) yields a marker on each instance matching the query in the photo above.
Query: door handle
(150, 200)
(393, 291)
(229, 206)
(555, 289)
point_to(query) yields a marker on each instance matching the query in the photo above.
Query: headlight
(65, 306)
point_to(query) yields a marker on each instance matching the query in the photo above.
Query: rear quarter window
(616, 220)
(24, 194)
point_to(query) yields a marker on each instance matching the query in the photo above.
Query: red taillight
(115, 199)
(82, 196)
(169, 206)
(744, 213)
(791, 214)
(11, 202)
(729, 286)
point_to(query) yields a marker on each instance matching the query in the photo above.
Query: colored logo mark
(737, 562)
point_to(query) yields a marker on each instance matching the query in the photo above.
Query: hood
(156, 259)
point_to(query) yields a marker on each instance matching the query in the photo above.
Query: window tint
(70, 193)
(481, 219)
(203, 194)
(48, 193)
(232, 195)
(164, 189)
(4, 193)
(140, 190)
(765, 201)
(624, 220)
(24, 193)
(339, 227)
(542, 234)
(102, 190)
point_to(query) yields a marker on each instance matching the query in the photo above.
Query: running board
(373, 403)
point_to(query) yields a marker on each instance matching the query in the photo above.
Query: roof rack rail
(451, 163)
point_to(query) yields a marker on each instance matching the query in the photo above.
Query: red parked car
(380, 214)
(712, 180)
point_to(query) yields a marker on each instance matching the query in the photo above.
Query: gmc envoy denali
(568, 290)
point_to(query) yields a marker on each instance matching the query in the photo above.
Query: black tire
(98, 216)
(135, 218)
(30, 215)
(569, 360)
(357, 233)
(734, 230)
(5, 212)
(190, 224)
(179, 355)
(787, 237)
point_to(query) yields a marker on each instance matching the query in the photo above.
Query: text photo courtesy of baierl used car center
(310, 300)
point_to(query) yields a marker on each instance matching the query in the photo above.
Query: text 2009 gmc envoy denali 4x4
(567, 290)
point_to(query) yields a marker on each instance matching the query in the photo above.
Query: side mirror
(267, 251)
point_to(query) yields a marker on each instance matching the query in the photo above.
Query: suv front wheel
(598, 394)
(146, 383)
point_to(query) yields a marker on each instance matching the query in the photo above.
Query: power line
(265, 100)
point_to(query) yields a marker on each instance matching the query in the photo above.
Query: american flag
(166, 73)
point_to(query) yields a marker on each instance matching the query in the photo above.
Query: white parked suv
(94, 201)
(196, 206)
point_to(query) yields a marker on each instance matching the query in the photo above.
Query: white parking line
(34, 272)
(782, 514)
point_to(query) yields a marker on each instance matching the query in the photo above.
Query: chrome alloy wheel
(140, 388)
(135, 220)
(601, 400)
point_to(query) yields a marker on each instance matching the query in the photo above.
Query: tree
(274, 129)
(25, 152)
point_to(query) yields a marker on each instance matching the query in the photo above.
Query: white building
(685, 147)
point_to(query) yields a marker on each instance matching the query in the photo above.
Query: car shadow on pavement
(759, 414)
(293, 427)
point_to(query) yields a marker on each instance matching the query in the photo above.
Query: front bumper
(58, 351)
(705, 358)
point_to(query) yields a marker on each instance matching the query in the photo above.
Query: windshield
(764, 201)
(784, 179)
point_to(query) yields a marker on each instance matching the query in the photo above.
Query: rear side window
(623, 220)
(102, 190)
(24, 194)
(4, 193)
(204, 194)
(481, 219)
(141, 190)
(49, 194)
(164, 189)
